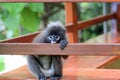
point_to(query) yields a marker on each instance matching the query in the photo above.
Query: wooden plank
(59, 0)
(89, 23)
(8, 79)
(77, 61)
(71, 13)
(22, 39)
(94, 73)
(68, 74)
(99, 61)
(53, 49)
(21, 73)
(72, 18)
(118, 18)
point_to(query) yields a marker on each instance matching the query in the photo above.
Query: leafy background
(23, 18)
(20, 18)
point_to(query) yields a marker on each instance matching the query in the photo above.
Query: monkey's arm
(63, 44)
(33, 66)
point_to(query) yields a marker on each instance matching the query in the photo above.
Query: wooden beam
(94, 74)
(20, 73)
(72, 18)
(59, 0)
(89, 23)
(22, 39)
(71, 13)
(12, 79)
(82, 74)
(118, 18)
(53, 49)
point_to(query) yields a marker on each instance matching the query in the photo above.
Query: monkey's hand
(63, 44)
(42, 77)
(57, 77)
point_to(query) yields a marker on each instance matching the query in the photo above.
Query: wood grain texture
(21, 39)
(21, 73)
(71, 18)
(94, 74)
(118, 18)
(68, 74)
(59, 0)
(53, 49)
(89, 23)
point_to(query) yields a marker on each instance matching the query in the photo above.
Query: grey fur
(43, 66)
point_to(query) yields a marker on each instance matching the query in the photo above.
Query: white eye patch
(50, 37)
(57, 37)
(53, 37)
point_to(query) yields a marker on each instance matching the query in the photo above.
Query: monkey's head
(55, 32)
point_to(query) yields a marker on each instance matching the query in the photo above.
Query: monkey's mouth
(53, 42)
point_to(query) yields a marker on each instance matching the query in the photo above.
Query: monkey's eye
(50, 37)
(57, 37)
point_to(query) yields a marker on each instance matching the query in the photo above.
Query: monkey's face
(53, 38)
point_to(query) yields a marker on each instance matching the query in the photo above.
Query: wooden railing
(22, 39)
(59, 0)
(23, 45)
(88, 23)
(81, 25)
(71, 49)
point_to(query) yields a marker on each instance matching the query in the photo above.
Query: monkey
(49, 66)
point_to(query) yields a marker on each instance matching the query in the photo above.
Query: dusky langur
(46, 66)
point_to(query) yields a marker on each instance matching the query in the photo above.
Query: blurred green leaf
(12, 22)
(29, 20)
(13, 8)
(2, 36)
(2, 65)
(37, 7)
(16, 32)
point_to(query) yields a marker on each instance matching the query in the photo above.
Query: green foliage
(2, 65)
(60, 16)
(13, 8)
(89, 11)
(91, 32)
(2, 36)
(20, 18)
(12, 22)
(29, 20)
(36, 7)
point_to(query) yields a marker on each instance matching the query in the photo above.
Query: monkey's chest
(48, 72)
(45, 61)
(47, 65)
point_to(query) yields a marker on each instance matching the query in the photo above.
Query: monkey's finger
(42, 77)
(63, 44)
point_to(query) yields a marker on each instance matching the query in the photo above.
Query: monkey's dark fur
(44, 66)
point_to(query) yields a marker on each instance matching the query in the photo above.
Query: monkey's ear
(64, 30)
